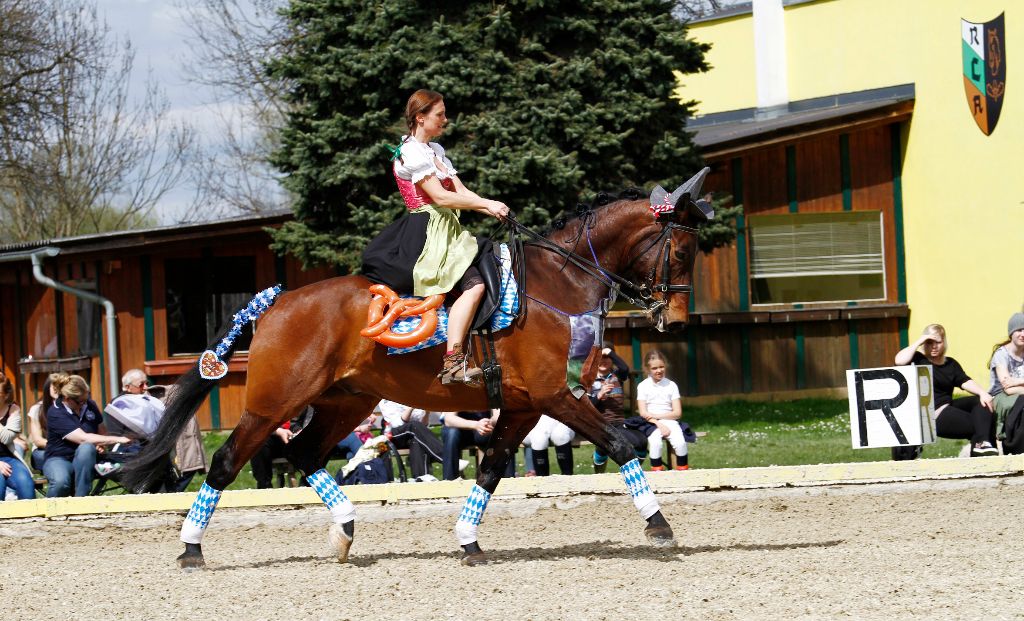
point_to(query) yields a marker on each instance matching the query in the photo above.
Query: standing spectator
(548, 430)
(658, 402)
(405, 424)
(966, 418)
(465, 429)
(37, 423)
(1006, 367)
(13, 471)
(74, 429)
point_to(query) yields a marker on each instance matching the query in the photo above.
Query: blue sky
(160, 37)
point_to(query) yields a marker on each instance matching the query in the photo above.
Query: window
(88, 317)
(202, 296)
(816, 257)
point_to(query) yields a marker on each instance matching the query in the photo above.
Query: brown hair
(71, 386)
(6, 391)
(420, 102)
(655, 354)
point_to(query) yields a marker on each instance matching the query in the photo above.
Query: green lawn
(740, 434)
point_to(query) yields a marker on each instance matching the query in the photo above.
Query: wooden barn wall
(747, 353)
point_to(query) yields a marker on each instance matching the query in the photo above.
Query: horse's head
(662, 258)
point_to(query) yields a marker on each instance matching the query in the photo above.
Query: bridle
(639, 294)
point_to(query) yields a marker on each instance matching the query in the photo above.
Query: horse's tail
(149, 468)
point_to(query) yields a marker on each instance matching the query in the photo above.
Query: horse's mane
(603, 199)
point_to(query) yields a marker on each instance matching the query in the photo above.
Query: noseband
(639, 294)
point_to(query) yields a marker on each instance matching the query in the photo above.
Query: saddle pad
(501, 319)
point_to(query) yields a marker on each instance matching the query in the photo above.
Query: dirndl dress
(426, 251)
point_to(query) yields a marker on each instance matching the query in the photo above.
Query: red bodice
(414, 195)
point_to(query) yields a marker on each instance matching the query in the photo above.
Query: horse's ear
(702, 208)
(693, 186)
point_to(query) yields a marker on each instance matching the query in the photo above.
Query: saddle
(410, 324)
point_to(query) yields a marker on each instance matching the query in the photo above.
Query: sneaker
(462, 464)
(683, 467)
(530, 473)
(983, 449)
(106, 467)
(657, 468)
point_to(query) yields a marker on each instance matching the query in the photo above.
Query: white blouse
(417, 161)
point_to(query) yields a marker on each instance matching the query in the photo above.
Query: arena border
(609, 483)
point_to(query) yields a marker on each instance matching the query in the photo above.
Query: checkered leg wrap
(472, 513)
(639, 489)
(199, 515)
(342, 509)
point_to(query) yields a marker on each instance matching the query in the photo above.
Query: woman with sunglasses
(73, 427)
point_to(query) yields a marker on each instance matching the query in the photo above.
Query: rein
(637, 294)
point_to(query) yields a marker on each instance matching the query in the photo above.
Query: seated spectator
(465, 429)
(658, 402)
(607, 396)
(263, 461)
(189, 455)
(1006, 367)
(966, 418)
(75, 429)
(408, 431)
(37, 423)
(14, 473)
(548, 430)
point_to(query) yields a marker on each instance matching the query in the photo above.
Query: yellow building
(962, 229)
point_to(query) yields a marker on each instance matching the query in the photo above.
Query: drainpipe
(37, 271)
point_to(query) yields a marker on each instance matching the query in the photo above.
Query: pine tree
(549, 101)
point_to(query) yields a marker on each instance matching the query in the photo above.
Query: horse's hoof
(660, 536)
(473, 559)
(340, 536)
(192, 558)
(472, 555)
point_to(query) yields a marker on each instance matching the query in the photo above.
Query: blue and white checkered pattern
(408, 324)
(635, 478)
(476, 504)
(203, 506)
(502, 318)
(326, 488)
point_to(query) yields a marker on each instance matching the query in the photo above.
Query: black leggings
(424, 447)
(563, 454)
(966, 419)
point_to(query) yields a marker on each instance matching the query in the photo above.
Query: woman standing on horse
(427, 252)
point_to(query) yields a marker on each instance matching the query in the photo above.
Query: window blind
(816, 244)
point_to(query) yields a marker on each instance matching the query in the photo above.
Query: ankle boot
(457, 367)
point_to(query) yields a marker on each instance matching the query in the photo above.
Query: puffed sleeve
(439, 151)
(415, 162)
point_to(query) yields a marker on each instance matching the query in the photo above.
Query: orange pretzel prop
(386, 307)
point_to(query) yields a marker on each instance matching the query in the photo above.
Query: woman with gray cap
(1007, 366)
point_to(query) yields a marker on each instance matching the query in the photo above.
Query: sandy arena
(922, 550)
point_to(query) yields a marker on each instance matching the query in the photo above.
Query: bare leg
(461, 314)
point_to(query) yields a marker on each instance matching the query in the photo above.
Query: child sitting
(657, 400)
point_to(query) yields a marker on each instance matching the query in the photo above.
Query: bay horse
(307, 351)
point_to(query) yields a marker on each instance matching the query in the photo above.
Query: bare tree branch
(77, 153)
